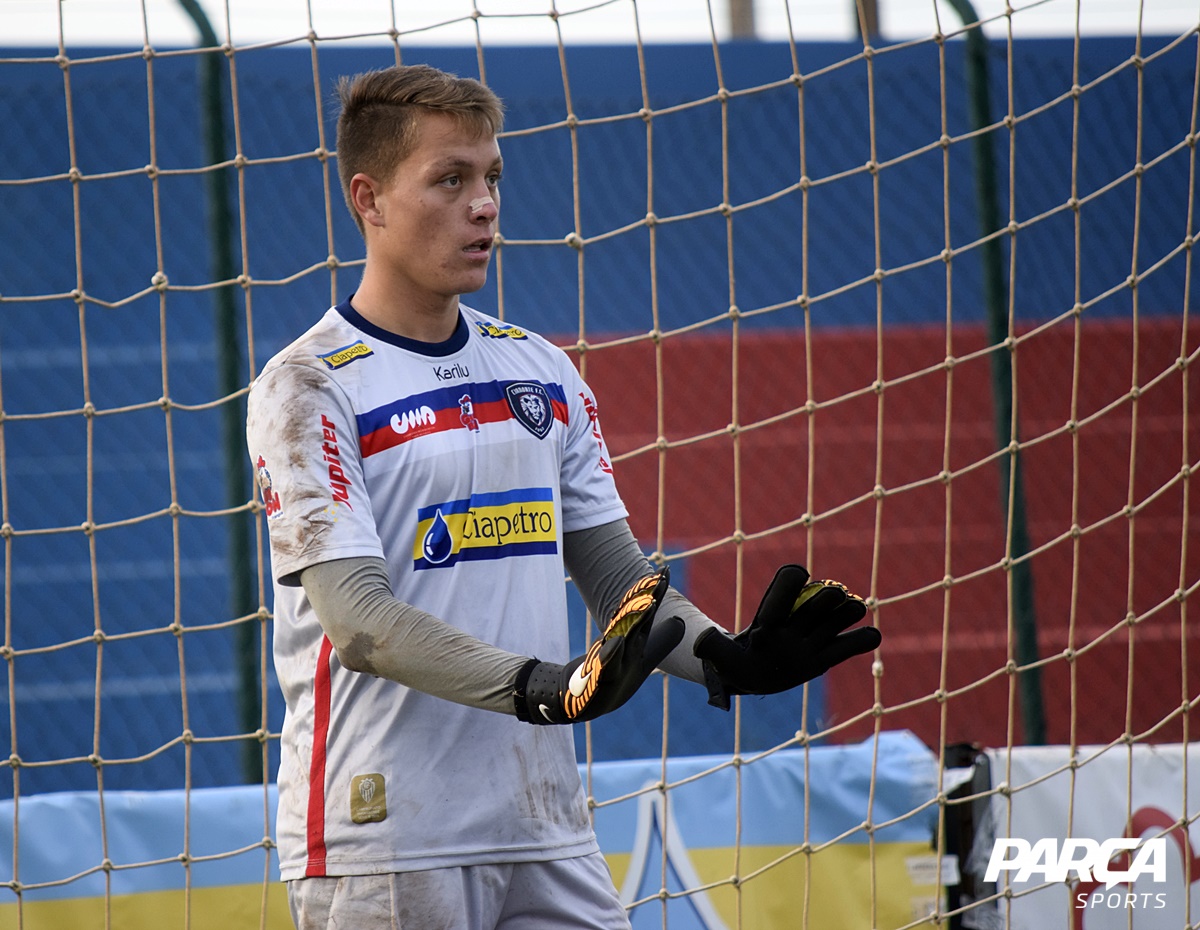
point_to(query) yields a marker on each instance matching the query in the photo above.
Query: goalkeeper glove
(798, 633)
(609, 673)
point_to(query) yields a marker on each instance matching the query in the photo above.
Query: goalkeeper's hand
(799, 632)
(609, 673)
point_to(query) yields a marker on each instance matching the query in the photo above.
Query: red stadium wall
(913, 535)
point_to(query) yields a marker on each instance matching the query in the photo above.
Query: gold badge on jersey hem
(368, 800)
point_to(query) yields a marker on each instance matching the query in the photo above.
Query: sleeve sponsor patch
(345, 355)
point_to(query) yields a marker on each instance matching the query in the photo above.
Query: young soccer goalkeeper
(429, 475)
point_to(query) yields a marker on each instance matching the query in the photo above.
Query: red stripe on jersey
(497, 411)
(322, 689)
(494, 411)
(386, 437)
(490, 411)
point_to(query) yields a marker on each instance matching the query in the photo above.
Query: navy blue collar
(457, 339)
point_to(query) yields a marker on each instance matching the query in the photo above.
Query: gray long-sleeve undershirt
(376, 633)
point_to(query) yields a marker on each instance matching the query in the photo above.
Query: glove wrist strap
(718, 691)
(535, 693)
(520, 688)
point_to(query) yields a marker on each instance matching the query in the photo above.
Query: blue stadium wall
(53, 606)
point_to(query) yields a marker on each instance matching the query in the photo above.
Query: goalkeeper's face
(431, 225)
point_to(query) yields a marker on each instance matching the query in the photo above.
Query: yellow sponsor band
(494, 526)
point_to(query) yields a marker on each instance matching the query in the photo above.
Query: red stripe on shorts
(316, 772)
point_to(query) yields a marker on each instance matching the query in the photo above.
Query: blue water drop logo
(438, 543)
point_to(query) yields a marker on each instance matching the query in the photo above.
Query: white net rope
(806, 284)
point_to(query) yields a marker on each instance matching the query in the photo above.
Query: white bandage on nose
(479, 203)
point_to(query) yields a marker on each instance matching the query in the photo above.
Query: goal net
(914, 312)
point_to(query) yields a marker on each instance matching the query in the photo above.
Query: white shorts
(568, 894)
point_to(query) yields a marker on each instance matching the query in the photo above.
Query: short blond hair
(376, 128)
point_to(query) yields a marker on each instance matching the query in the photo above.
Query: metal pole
(230, 368)
(866, 19)
(741, 19)
(1029, 681)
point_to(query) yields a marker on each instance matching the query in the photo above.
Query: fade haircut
(377, 126)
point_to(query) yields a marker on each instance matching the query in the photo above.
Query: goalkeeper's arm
(795, 636)
(801, 630)
(604, 563)
(374, 632)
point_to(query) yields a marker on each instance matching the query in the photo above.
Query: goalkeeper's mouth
(480, 248)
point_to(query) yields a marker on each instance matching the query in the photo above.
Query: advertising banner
(1102, 841)
(838, 836)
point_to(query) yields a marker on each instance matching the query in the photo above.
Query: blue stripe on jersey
(479, 501)
(443, 409)
(483, 555)
(445, 398)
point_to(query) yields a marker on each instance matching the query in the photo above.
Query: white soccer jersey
(462, 464)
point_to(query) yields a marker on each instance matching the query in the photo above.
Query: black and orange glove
(801, 630)
(609, 673)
